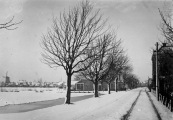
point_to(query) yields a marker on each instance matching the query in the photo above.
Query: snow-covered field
(7, 98)
(106, 107)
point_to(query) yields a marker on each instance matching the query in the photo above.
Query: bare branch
(71, 36)
(10, 24)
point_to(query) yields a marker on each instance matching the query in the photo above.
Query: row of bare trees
(80, 42)
(109, 61)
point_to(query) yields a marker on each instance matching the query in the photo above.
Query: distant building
(22, 83)
(62, 85)
(86, 85)
(165, 69)
(120, 83)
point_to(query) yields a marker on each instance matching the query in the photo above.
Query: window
(80, 86)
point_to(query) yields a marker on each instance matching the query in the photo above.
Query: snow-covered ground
(7, 98)
(106, 107)
(164, 112)
(143, 109)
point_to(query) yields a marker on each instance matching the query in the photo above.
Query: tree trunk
(116, 84)
(96, 89)
(109, 90)
(68, 94)
(102, 87)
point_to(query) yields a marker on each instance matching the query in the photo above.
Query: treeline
(81, 42)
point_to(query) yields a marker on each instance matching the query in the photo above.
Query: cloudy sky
(137, 23)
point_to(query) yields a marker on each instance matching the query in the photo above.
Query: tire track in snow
(155, 109)
(112, 110)
(126, 116)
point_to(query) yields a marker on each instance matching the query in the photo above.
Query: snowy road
(143, 109)
(114, 110)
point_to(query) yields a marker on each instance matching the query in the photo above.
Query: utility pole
(157, 91)
(116, 84)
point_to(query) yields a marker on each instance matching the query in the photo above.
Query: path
(38, 105)
(143, 110)
(114, 110)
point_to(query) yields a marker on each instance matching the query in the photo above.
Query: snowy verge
(110, 106)
(164, 112)
(8, 98)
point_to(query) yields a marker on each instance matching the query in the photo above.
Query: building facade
(86, 85)
(165, 70)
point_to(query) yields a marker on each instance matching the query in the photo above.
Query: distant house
(31, 84)
(61, 84)
(74, 84)
(45, 84)
(51, 84)
(22, 83)
(36, 84)
(121, 85)
(104, 86)
(11, 84)
(86, 85)
(55, 84)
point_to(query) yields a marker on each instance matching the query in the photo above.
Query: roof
(74, 82)
(60, 83)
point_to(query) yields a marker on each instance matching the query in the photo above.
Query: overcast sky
(137, 23)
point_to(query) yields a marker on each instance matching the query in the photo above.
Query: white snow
(106, 107)
(7, 98)
(164, 112)
(112, 107)
(143, 109)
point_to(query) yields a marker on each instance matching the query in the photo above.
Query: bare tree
(117, 66)
(111, 76)
(131, 80)
(101, 51)
(166, 26)
(113, 62)
(10, 25)
(128, 69)
(167, 31)
(68, 41)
